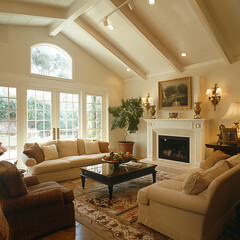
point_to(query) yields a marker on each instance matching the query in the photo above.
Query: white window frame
(105, 128)
(9, 121)
(35, 109)
(71, 79)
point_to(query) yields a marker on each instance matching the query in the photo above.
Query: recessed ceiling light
(151, 1)
(111, 27)
(128, 70)
(183, 54)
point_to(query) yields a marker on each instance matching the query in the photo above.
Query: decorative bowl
(118, 158)
(114, 162)
(173, 115)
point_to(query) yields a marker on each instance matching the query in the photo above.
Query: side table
(228, 149)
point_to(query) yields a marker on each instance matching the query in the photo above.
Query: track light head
(105, 22)
(131, 5)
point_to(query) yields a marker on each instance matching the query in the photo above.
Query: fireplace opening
(173, 148)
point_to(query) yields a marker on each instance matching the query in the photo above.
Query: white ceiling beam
(74, 11)
(206, 18)
(104, 42)
(147, 34)
(35, 10)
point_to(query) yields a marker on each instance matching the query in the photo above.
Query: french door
(52, 115)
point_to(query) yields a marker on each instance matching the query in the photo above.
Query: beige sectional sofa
(61, 160)
(197, 205)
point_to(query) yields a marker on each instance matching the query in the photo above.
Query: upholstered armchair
(29, 209)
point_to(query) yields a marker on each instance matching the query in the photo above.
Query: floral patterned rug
(115, 219)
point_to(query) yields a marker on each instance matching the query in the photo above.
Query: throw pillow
(48, 143)
(12, 180)
(103, 146)
(199, 181)
(80, 145)
(91, 147)
(213, 159)
(50, 152)
(35, 152)
(67, 148)
(234, 160)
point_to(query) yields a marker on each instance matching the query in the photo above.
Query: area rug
(115, 219)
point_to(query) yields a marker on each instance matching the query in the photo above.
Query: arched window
(50, 60)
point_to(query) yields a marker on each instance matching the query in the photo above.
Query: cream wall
(226, 76)
(89, 75)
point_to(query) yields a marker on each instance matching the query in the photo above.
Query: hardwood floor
(79, 232)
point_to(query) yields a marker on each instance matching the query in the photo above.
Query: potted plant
(126, 117)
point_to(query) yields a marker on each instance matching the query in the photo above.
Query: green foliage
(127, 115)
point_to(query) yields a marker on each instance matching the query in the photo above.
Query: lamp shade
(233, 111)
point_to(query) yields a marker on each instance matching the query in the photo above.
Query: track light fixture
(105, 22)
(131, 5)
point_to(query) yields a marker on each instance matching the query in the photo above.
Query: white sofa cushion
(80, 145)
(67, 148)
(199, 181)
(213, 159)
(91, 147)
(234, 160)
(84, 160)
(183, 176)
(50, 166)
(50, 152)
(170, 184)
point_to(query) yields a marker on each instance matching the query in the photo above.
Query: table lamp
(233, 113)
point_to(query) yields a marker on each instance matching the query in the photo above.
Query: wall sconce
(214, 95)
(147, 102)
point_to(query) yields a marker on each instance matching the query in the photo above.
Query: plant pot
(125, 146)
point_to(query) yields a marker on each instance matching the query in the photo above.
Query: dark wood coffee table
(110, 175)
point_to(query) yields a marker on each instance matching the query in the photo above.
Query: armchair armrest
(33, 200)
(177, 199)
(30, 181)
(29, 162)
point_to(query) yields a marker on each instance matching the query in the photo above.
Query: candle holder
(197, 110)
(152, 111)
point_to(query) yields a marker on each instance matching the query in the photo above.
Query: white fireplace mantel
(195, 129)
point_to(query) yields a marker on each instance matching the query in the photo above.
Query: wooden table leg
(154, 176)
(110, 190)
(83, 181)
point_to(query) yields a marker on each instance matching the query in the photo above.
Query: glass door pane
(94, 116)
(8, 122)
(39, 115)
(69, 116)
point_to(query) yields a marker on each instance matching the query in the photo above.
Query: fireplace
(173, 148)
(194, 130)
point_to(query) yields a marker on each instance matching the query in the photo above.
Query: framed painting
(229, 136)
(174, 94)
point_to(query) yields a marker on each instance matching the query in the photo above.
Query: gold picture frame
(175, 94)
(229, 136)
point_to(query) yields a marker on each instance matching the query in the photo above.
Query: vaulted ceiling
(148, 40)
